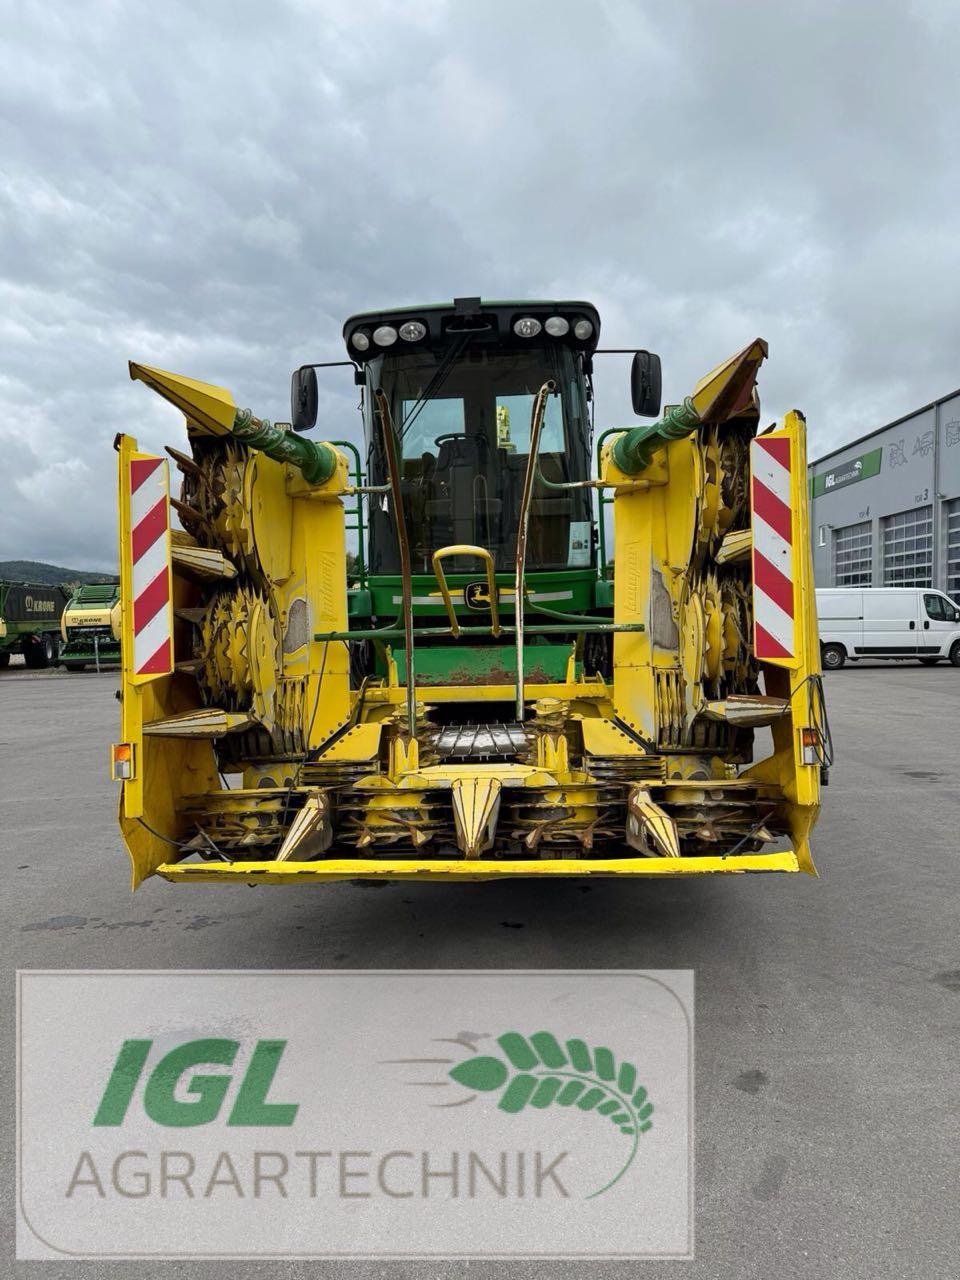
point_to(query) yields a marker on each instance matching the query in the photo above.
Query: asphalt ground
(828, 1010)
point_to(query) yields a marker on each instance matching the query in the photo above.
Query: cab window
(940, 609)
(462, 423)
(423, 421)
(514, 414)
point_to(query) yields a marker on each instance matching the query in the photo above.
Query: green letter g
(159, 1099)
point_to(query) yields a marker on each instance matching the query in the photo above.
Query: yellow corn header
(482, 694)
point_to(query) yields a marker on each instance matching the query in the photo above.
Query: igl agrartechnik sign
(399, 1115)
(849, 472)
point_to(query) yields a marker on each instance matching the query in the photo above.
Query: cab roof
(489, 321)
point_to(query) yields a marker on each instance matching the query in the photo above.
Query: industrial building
(885, 509)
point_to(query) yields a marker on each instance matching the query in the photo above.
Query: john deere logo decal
(477, 596)
(537, 1071)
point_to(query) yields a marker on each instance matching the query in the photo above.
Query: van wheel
(833, 656)
(929, 662)
(955, 653)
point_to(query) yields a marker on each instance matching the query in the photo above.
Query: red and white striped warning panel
(150, 560)
(773, 594)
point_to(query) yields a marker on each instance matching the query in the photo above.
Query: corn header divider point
(476, 693)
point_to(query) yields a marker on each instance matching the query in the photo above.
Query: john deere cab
(458, 386)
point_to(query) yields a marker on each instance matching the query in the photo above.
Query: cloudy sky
(213, 187)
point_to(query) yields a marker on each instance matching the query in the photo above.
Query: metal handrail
(358, 509)
(523, 524)
(534, 628)
(403, 544)
(603, 501)
(463, 549)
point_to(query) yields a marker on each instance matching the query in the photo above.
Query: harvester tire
(832, 657)
(955, 654)
(4, 659)
(48, 646)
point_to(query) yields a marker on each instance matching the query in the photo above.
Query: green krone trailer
(30, 614)
(91, 627)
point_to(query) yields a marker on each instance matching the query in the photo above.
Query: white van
(887, 622)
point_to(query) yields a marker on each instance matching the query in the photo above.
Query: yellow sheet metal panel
(603, 738)
(361, 743)
(319, 552)
(726, 390)
(205, 405)
(432, 869)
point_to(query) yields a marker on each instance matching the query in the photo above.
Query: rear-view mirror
(645, 381)
(303, 399)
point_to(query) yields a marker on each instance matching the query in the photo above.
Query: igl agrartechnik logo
(345, 1114)
(179, 1091)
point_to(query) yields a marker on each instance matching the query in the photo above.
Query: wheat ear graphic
(539, 1072)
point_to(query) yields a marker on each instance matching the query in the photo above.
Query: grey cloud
(213, 188)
